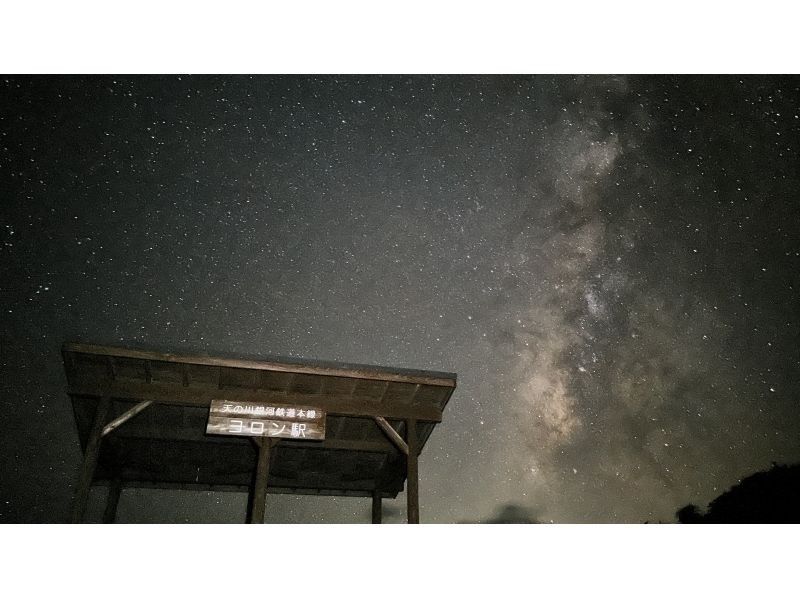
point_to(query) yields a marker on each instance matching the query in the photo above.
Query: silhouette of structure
(142, 415)
(771, 496)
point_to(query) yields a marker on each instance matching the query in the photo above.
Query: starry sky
(609, 263)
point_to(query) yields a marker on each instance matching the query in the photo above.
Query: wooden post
(412, 482)
(114, 490)
(377, 506)
(259, 496)
(90, 459)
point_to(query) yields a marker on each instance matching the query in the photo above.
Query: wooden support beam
(136, 409)
(90, 459)
(412, 481)
(176, 394)
(259, 494)
(183, 435)
(114, 491)
(148, 371)
(185, 378)
(377, 507)
(298, 490)
(392, 434)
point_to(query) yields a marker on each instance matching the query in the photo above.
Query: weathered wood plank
(300, 490)
(178, 395)
(447, 398)
(346, 371)
(333, 444)
(385, 390)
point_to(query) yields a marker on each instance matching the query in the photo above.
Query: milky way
(610, 264)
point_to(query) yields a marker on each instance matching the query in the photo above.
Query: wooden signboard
(249, 418)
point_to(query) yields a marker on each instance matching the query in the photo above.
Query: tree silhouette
(689, 514)
(513, 513)
(510, 513)
(771, 496)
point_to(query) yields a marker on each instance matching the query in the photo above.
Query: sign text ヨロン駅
(251, 418)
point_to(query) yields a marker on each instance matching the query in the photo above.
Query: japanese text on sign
(247, 418)
(267, 411)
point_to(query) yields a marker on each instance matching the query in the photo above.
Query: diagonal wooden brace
(113, 425)
(396, 439)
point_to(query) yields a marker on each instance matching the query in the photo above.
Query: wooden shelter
(142, 418)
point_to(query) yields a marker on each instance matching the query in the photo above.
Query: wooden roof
(165, 446)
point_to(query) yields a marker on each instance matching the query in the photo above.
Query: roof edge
(275, 364)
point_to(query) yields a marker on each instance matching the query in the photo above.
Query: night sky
(610, 265)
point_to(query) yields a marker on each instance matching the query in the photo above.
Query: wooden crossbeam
(334, 444)
(300, 490)
(177, 394)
